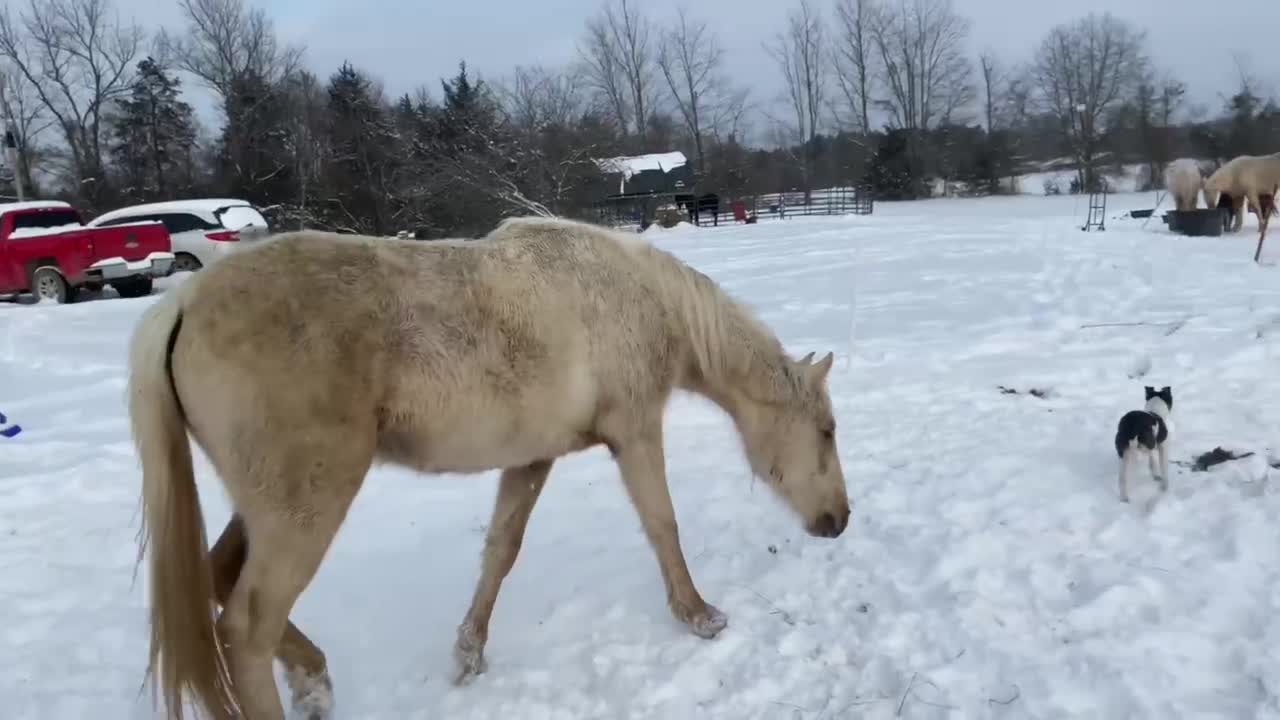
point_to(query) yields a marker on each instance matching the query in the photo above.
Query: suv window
(173, 222)
(236, 217)
(184, 222)
(128, 219)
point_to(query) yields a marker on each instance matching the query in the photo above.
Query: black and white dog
(1146, 432)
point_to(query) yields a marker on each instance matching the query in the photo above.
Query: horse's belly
(478, 444)
(487, 429)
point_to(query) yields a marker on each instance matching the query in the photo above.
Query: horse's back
(469, 353)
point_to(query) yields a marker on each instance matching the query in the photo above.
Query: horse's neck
(733, 355)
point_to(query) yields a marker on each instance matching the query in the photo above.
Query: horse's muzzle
(829, 525)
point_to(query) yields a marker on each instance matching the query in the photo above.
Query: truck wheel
(133, 287)
(48, 283)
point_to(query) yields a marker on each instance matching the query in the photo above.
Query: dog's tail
(184, 644)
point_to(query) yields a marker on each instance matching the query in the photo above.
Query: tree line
(887, 94)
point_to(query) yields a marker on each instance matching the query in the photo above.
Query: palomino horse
(296, 363)
(1184, 181)
(1245, 179)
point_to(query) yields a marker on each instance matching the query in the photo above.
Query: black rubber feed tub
(1208, 222)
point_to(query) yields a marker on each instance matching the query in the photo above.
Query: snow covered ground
(989, 570)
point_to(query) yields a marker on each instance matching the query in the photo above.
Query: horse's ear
(804, 361)
(817, 372)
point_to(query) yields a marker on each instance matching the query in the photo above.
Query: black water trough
(1208, 222)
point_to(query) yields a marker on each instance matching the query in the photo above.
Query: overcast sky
(408, 43)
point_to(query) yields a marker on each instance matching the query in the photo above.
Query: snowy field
(989, 570)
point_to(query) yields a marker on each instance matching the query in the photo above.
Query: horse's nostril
(826, 525)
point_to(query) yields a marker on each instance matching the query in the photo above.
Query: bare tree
(1085, 70)
(604, 75)
(225, 41)
(551, 142)
(77, 57)
(306, 140)
(619, 62)
(855, 58)
(535, 97)
(233, 50)
(729, 116)
(920, 45)
(691, 59)
(1171, 96)
(800, 52)
(1249, 83)
(23, 115)
(993, 80)
(1004, 104)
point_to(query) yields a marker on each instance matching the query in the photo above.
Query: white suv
(201, 231)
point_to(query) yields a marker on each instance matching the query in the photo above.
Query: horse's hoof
(708, 623)
(468, 668)
(468, 652)
(312, 696)
(308, 713)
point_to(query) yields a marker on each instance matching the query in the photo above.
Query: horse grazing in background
(297, 363)
(1245, 179)
(695, 205)
(1184, 182)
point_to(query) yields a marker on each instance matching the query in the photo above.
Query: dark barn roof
(648, 174)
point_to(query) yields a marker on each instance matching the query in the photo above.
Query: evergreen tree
(485, 164)
(892, 175)
(362, 166)
(254, 161)
(153, 136)
(468, 122)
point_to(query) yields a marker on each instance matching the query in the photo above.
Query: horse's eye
(829, 435)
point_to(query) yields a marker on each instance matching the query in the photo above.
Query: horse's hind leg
(292, 507)
(518, 490)
(305, 666)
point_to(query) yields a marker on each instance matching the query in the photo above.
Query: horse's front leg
(518, 490)
(641, 462)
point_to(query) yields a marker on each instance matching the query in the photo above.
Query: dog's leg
(1154, 464)
(1125, 462)
(1164, 466)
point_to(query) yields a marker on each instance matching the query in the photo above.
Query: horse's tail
(184, 642)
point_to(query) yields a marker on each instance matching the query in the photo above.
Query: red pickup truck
(46, 250)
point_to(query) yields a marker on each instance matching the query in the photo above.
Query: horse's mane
(730, 345)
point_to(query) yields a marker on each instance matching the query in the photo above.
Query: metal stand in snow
(1159, 199)
(1097, 211)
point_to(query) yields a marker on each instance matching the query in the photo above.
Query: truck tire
(134, 287)
(48, 283)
